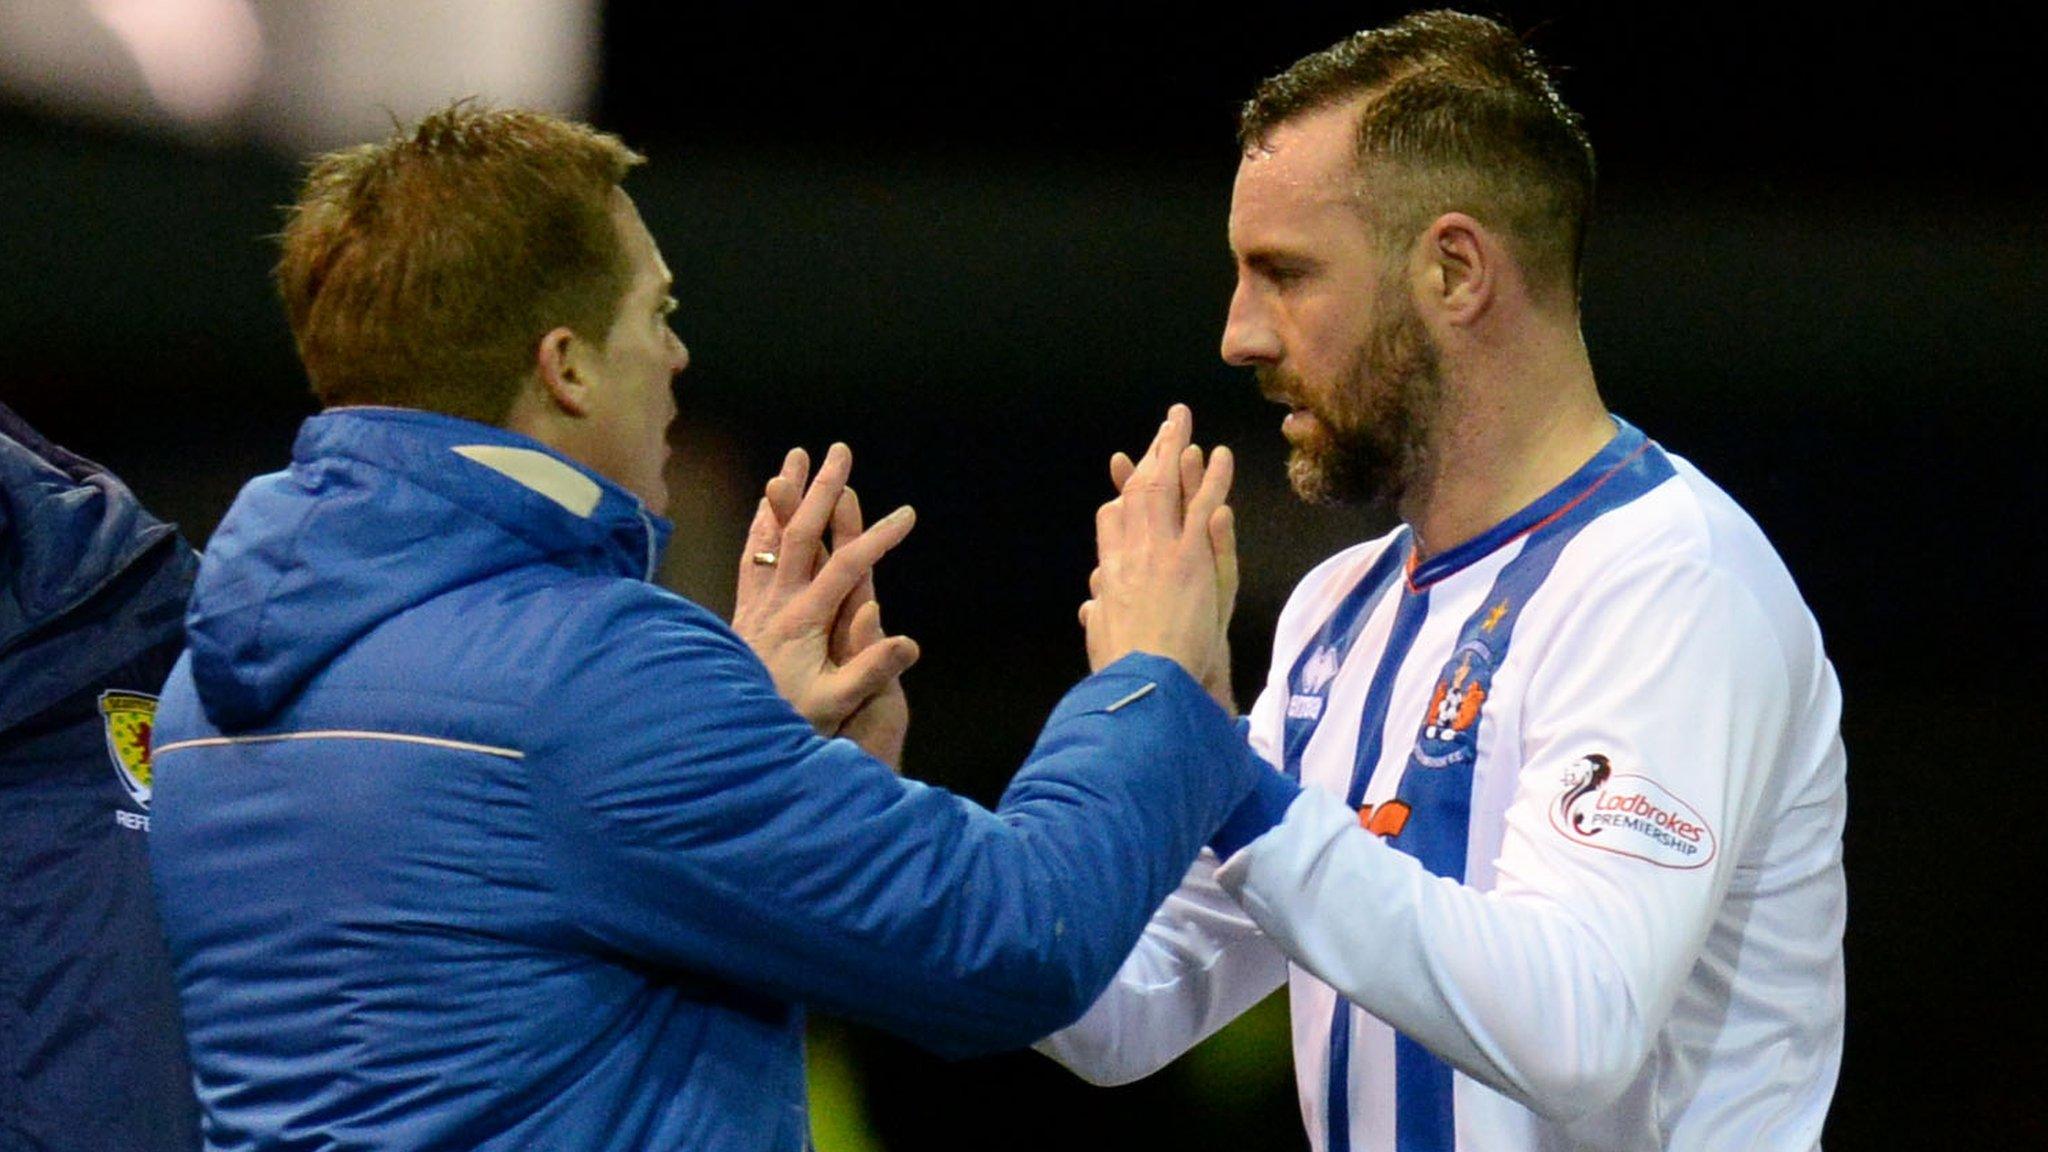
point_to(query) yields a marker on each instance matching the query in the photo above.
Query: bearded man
(1565, 866)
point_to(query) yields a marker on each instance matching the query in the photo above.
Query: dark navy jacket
(469, 837)
(92, 590)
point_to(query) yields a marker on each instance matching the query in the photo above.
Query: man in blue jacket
(92, 588)
(470, 837)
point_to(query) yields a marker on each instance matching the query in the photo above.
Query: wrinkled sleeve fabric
(707, 827)
(1551, 987)
(1201, 963)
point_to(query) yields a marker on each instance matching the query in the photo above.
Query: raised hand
(809, 611)
(1224, 541)
(882, 721)
(1166, 573)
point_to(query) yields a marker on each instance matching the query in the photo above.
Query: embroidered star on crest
(1494, 617)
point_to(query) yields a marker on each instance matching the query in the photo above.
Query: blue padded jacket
(467, 836)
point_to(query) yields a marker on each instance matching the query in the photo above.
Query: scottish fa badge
(129, 716)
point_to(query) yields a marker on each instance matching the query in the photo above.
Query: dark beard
(1376, 424)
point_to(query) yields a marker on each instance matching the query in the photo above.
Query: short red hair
(421, 272)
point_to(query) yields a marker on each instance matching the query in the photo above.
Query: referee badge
(129, 717)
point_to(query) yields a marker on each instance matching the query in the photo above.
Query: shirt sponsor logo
(1384, 820)
(129, 718)
(1630, 815)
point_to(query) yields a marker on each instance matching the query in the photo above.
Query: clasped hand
(1165, 583)
(1165, 580)
(810, 613)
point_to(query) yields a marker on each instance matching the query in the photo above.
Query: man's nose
(1248, 335)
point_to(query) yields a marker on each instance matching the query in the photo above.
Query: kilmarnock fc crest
(1448, 735)
(129, 717)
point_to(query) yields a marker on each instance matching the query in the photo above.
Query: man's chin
(1316, 480)
(654, 497)
(1310, 480)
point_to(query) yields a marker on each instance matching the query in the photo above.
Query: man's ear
(556, 362)
(1463, 263)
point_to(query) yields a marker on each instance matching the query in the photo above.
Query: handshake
(1165, 582)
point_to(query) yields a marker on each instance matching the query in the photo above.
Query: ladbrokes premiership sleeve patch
(1629, 815)
(129, 717)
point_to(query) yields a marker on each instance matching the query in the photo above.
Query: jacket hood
(70, 533)
(383, 509)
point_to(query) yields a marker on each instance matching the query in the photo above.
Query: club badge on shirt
(129, 717)
(1449, 736)
(1629, 815)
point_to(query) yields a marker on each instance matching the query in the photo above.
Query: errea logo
(1316, 674)
(129, 718)
(1630, 815)
(1320, 670)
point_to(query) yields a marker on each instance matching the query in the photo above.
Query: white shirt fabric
(1644, 947)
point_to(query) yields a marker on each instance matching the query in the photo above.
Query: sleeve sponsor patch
(1630, 815)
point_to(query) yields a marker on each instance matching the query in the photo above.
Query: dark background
(987, 249)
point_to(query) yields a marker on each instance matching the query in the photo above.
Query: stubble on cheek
(1372, 426)
(1327, 463)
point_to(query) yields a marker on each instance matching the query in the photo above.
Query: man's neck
(1504, 439)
